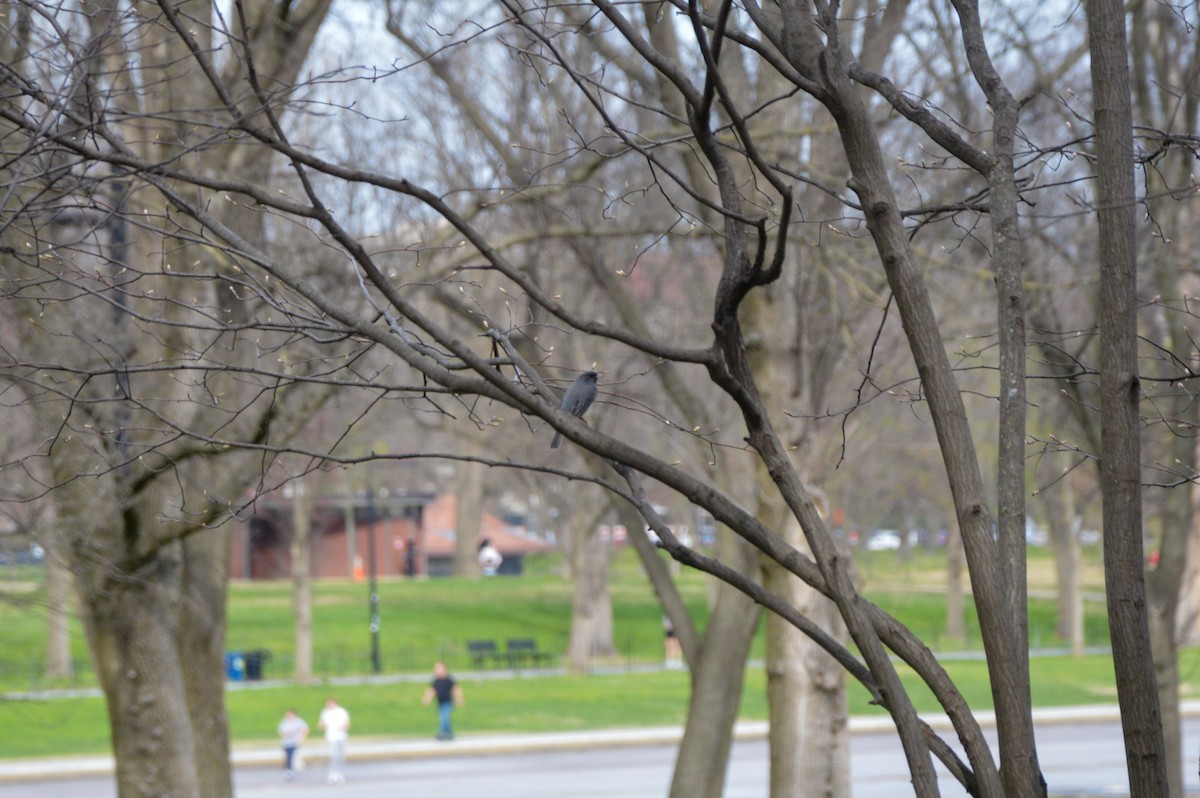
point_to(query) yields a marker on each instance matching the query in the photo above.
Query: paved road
(1079, 759)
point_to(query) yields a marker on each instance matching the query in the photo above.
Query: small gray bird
(577, 399)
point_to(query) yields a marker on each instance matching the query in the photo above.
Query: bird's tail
(557, 440)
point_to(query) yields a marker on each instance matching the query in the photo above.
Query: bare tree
(468, 496)
(591, 607)
(302, 581)
(1120, 465)
(138, 502)
(237, 330)
(1165, 59)
(59, 663)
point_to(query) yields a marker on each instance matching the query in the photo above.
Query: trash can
(235, 666)
(254, 664)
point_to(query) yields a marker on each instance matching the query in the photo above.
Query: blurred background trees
(814, 252)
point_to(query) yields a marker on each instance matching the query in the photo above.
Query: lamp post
(376, 667)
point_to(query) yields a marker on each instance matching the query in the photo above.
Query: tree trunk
(1163, 594)
(591, 604)
(956, 602)
(1171, 254)
(161, 668)
(958, 451)
(1164, 646)
(1187, 615)
(717, 678)
(302, 582)
(787, 688)
(151, 737)
(59, 665)
(468, 518)
(1064, 540)
(716, 661)
(806, 693)
(201, 652)
(150, 573)
(660, 579)
(825, 741)
(1120, 467)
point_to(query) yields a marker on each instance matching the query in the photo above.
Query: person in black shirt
(448, 694)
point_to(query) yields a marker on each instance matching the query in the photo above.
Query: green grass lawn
(423, 621)
(427, 620)
(550, 703)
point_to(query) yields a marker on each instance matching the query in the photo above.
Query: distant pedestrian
(335, 722)
(672, 650)
(448, 694)
(292, 732)
(489, 558)
(577, 400)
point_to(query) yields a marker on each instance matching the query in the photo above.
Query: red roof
(441, 515)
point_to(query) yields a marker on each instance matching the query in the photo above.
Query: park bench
(525, 649)
(482, 653)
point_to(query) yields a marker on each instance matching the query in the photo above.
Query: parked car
(884, 540)
(30, 556)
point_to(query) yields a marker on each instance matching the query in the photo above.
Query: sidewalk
(474, 745)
